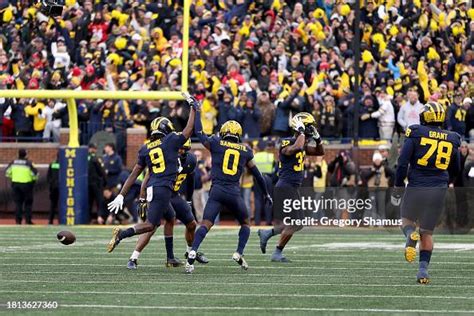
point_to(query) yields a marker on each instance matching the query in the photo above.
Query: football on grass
(66, 237)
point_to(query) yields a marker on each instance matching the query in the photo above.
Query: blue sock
(425, 257)
(199, 237)
(244, 234)
(129, 232)
(407, 230)
(169, 247)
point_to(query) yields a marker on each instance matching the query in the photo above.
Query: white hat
(377, 156)
(467, 100)
(148, 15)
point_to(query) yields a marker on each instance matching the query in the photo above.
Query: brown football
(66, 237)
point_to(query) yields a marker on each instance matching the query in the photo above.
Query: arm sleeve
(260, 180)
(403, 161)
(455, 165)
(141, 159)
(204, 139)
(189, 187)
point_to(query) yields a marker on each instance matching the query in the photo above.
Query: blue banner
(73, 190)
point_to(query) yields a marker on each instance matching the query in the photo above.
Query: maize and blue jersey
(187, 165)
(228, 162)
(161, 158)
(291, 168)
(429, 152)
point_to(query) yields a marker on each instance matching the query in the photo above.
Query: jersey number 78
(443, 152)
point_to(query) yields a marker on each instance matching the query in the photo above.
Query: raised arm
(203, 138)
(299, 143)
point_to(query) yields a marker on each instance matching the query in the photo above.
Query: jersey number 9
(157, 159)
(230, 170)
(443, 152)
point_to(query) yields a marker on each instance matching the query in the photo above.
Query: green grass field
(334, 271)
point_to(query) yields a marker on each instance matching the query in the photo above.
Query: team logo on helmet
(161, 126)
(232, 130)
(307, 119)
(433, 113)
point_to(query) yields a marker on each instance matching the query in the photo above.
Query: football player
(180, 209)
(428, 154)
(229, 158)
(306, 140)
(160, 156)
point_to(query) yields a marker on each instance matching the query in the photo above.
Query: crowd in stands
(256, 61)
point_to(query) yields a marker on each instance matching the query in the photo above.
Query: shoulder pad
(413, 131)
(456, 139)
(285, 142)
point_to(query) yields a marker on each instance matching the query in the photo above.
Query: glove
(268, 200)
(365, 116)
(116, 205)
(396, 197)
(142, 209)
(315, 135)
(299, 126)
(192, 101)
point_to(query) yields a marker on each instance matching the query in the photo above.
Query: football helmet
(187, 145)
(161, 126)
(231, 130)
(308, 121)
(433, 113)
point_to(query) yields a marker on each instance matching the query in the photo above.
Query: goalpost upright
(73, 200)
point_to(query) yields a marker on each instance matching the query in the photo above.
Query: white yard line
(243, 294)
(280, 267)
(238, 283)
(141, 274)
(252, 260)
(241, 308)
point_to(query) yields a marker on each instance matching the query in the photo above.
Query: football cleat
(188, 268)
(173, 262)
(132, 264)
(279, 257)
(264, 235)
(410, 247)
(200, 257)
(240, 260)
(423, 277)
(115, 239)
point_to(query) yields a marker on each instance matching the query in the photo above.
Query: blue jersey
(228, 162)
(291, 168)
(187, 164)
(161, 158)
(429, 152)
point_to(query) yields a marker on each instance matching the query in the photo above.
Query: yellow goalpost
(71, 95)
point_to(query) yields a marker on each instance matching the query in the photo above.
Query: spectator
(330, 119)
(23, 175)
(112, 165)
(250, 118)
(368, 125)
(409, 113)
(96, 179)
(35, 111)
(385, 114)
(286, 104)
(377, 179)
(53, 124)
(456, 116)
(267, 113)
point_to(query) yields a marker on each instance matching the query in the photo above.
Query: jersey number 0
(230, 170)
